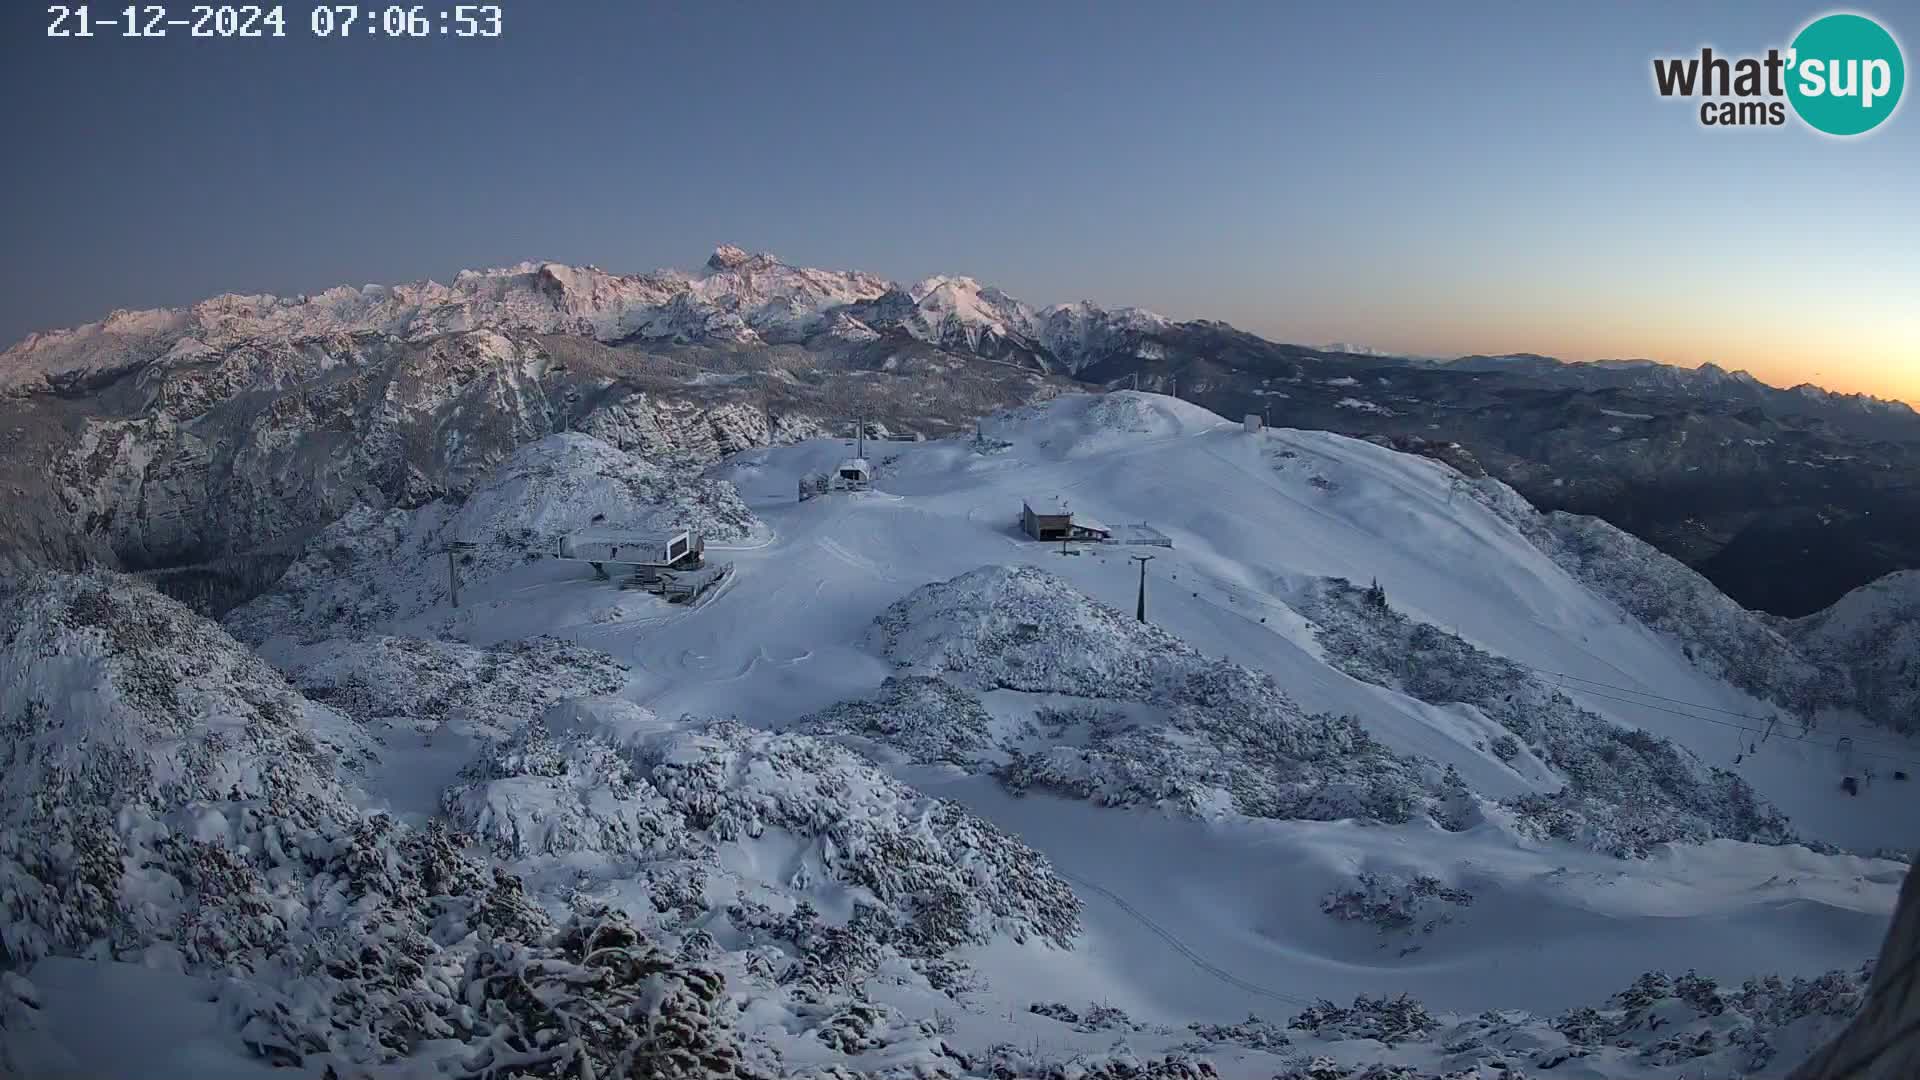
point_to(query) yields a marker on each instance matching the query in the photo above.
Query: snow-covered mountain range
(243, 423)
(1401, 777)
(240, 425)
(741, 299)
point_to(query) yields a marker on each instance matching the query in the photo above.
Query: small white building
(853, 474)
(1253, 424)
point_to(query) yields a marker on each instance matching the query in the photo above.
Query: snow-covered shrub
(1283, 763)
(665, 798)
(1008, 1062)
(1661, 1025)
(954, 978)
(1054, 1010)
(599, 1000)
(859, 1027)
(927, 717)
(826, 960)
(1665, 1021)
(1395, 903)
(1022, 628)
(1626, 790)
(128, 726)
(547, 793)
(1388, 1020)
(165, 797)
(1596, 813)
(426, 684)
(1125, 768)
(950, 877)
(1722, 638)
(1325, 1068)
(1232, 738)
(1097, 1017)
(1229, 769)
(1055, 720)
(1137, 413)
(396, 915)
(1252, 1033)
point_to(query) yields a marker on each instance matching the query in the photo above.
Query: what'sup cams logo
(1842, 75)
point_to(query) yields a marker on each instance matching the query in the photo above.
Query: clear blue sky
(1426, 177)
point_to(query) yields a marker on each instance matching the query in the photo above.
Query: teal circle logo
(1845, 74)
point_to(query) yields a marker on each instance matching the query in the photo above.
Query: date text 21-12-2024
(257, 21)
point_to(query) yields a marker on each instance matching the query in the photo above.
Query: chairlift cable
(1765, 733)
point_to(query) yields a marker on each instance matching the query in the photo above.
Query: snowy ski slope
(1256, 518)
(1188, 919)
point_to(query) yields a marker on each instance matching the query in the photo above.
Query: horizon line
(528, 266)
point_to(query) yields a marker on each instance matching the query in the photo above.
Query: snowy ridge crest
(1716, 633)
(1871, 636)
(742, 299)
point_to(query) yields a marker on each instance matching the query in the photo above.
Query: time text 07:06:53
(256, 21)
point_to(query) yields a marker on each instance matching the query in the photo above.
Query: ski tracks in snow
(859, 562)
(1179, 946)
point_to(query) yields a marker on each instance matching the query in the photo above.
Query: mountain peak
(729, 257)
(958, 284)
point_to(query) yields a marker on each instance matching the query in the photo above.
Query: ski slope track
(1190, 920)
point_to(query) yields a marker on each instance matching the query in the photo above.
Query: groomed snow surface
(933, 803)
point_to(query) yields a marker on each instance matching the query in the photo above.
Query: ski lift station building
(853, 474)
(1049, 518)
(671, 550)
(671, 564)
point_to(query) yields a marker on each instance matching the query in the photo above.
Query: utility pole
(1140, 612)
(860, 435)
(1176, 386)
(769, 412)
(453, 569)
(1136, 380)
